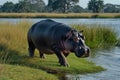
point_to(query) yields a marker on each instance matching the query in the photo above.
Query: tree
(50, 4)
(110, 8)
(100, 5)
(29, 6)
(36, 5)
(62, 5)
(0, 9)
(77, 9)
(96, 5)
(22, 6)
(7, 7)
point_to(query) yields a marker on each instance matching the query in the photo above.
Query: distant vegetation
(60, 15)
(58, 6)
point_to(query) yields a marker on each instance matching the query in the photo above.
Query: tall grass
(118, 42)
(59, 15)
(98, 36)
(13, 39)
(14, 49)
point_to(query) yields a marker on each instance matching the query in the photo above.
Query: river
(109, 59)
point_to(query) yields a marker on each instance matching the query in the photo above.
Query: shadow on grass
(14, 57)
(7, 55)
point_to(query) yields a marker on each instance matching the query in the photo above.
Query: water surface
(110, 60)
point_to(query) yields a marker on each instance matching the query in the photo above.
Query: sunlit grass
(15, 72)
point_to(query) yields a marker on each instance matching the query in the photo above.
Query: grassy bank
(15, 72)
(59, 15)
(13, 50)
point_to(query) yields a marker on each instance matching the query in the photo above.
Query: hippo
(51, 37)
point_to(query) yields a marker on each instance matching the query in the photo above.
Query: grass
(13, 50)
(118, 42)
(15, 72)
(60, 15)
(98, 36)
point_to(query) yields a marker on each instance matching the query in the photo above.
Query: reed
(118, 42)
(59, 15)
(98, 36)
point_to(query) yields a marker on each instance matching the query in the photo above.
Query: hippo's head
(76, 44)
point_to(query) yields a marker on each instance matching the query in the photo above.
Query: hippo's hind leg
(31, 48)
(42, 55)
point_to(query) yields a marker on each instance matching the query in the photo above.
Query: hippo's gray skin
(50, 37)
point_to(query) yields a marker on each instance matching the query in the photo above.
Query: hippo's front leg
(61, 57)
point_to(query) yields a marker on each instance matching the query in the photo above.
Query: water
(109, 59)
(108, 22)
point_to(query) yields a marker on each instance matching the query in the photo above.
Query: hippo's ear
(69, 34)
(81, 31)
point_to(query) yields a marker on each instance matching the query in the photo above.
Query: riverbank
(16, 72)
(13, 49)
(59, 15)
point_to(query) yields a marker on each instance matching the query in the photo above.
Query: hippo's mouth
(87, 53)
(83, 53)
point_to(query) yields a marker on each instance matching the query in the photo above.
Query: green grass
(59, 15)
(98, 36)
(14, 50)
(118, 42)
(15, 72)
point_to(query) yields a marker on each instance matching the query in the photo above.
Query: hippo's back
(46, 33)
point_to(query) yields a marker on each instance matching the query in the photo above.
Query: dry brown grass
(59, 15)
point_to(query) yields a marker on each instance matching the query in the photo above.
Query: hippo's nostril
(87, 53)
(80, 47)
(88, 50)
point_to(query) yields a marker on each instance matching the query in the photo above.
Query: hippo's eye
(83, 37)
(76, 39)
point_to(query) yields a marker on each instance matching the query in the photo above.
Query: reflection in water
(109, 59)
